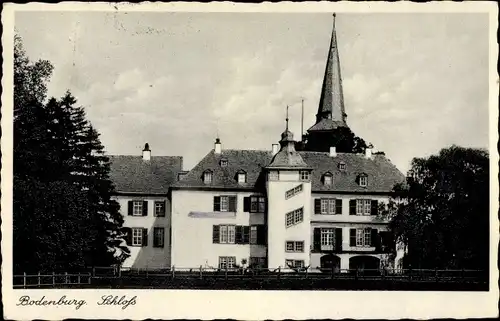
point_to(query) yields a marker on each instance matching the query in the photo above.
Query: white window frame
(363, 207)
(327, 237)
(342, 166)
(290, 246)
(305, 175)
(328, 180)
(364, 237)
(227, 234)
(137, 236)
(224, 203)
(324, 206)
(207, 177)
(294, 246)
(137, 207)
(331, 206)
(227, 262)
(242, 178)
(299, 246)
(223, 162)
(363, 181)
(261, 204)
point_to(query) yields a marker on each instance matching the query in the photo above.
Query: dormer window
(223, 162)
(242, 177)
(207, 177)
(342, 166)
(363, 180)
(328, 179)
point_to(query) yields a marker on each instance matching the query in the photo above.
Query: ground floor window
(227, 262)
(137, 236)
(294, 263)
(257, 262)
(159, 237)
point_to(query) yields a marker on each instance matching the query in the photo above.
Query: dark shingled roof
(326, 124)
(382, 174)
(131, 174)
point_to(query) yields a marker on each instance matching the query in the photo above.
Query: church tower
(331, 127)
(288, 187)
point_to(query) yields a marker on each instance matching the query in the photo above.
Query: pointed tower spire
(331, 113)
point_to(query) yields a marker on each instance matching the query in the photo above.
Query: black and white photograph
(248, 152)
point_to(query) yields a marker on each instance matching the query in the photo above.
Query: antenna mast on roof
(302, 122)
(287, 117)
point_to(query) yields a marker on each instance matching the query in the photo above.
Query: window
(294, 246)
(253, 234)
(342, 166)
(328, 206)
(159, 208)
(328, 179)
(242, 178)
(274, 175)
(227, 262)
(137, 236)
(227, 234)
(207, 177)
(363, 207)
(159, 237)
(137, 208)
(363, 181)
(294, 264)
(223, 162)
(294, 217)
(294, 191)
(363, 237)
(304, 175)
(225, 203)
(257, 262)
(327, 237)
(257, 204)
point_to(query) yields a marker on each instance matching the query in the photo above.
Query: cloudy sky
(414, 83)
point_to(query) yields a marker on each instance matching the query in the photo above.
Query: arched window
(328, 179)
(207, 176)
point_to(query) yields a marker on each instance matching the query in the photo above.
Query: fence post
(24, 280)
(173, 272)
(39, 280)
(66, 277)
(279, 272)
(89, 280)
(79, 278)
(201, 272)
(307, 269)
(226, 272)
(53, 278)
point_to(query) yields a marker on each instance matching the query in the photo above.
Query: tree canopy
(342, 138)
(64, 215)
(442, 212)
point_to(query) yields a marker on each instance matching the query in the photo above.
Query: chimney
(368, 152)
(333, 151)
(218, 146)
(275, 149)
(146, 153)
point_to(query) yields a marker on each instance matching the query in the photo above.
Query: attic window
(363, 180)
(342, 166)
(223, 162)
(328, 179)
(242, 177)
(207, 177)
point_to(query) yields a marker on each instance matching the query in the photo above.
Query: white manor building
(279, 208)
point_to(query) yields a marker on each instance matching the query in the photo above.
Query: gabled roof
(250, 161)
(382, 174)
(132, 174)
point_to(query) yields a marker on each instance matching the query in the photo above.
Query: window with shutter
(239, 234)
(338, 239)
(232, 203)
(216, 234)
(130, 207)
(317, 239)
(216, 203)
(253, 234)
(137, 208)
(374, 209)
(246, 234)
(137, 237)
(159, 208)
(144, 237)
(352, 237)
(145, 208)
(261, 234)
(317, 206)
(246, 204)
(352, 207)
(338, 207)
(158, 237)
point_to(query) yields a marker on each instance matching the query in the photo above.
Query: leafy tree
(342, 138)
(442, 212)
(64, 214)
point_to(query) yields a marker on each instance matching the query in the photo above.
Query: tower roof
(331, 113)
